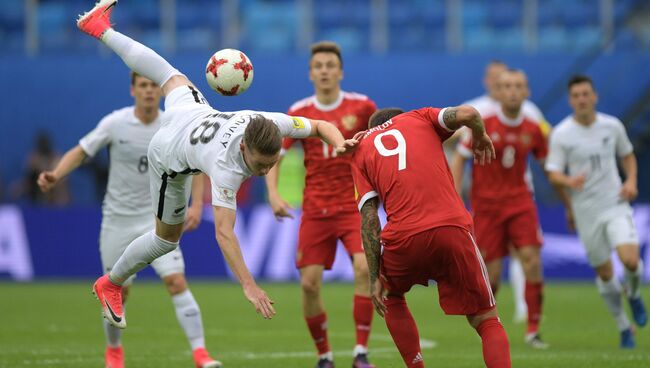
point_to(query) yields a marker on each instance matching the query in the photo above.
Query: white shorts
(170, 190)
(117, 233)
(603, 234)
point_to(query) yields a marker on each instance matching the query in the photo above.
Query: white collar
(510, 122)
(330, 107)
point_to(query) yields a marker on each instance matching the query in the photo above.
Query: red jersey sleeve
(435, 116)
(363, 188)
(540, 148)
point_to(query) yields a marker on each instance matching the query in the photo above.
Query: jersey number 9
(399, 150)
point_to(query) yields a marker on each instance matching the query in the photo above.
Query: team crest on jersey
(349, 121)
(526, 139)
(298, 123)
(226, 195)
(495, 137)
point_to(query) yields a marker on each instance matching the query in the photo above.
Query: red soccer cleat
(203, 360)
(114, 357)
(110, 296)
(96, 21)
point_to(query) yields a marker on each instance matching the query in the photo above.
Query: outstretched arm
(465, 115)
(371, 235)
(332, 136)
(279, 206)
(195, 212)
(457, 170)
(224, 222)
(70, 161)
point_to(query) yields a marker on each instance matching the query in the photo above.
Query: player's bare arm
(629, 190)
(465, 115)
(279, 206)
(195, 211)
(332, 136)
(224, 222)
(457, 168)
(371, 235)
(69, 162)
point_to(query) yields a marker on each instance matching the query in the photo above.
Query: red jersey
(402, 161)
(328, 182)
(503, 180)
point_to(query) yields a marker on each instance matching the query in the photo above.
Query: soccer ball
(229, 72)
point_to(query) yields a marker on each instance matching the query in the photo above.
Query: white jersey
(127, 193)
(488, 106)
(200, 138)
(592, 151)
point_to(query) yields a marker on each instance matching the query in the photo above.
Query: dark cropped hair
(579, 78)
(327, 46)
(383, 115)
(263, 136)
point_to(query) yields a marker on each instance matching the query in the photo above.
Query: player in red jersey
(329, 212)
(401, 162)
(502, 203)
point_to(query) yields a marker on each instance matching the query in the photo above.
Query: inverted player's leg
(518, 284)
(611, 291)
(311, 280)
(496, 348)
(534, 291)
(114, 353)
(135, 55)
(403, 330)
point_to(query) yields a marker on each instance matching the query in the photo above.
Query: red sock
(402, 328)
(533, 295)
(496, 349)
(362, 312)
(318, 328)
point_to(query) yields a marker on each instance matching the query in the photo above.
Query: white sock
(633, 281)
(329, 356)
(518, 284)
(610, 291)
(113, 334)
(189, 317)
(359, 349)
(139, 57)
(142, 251)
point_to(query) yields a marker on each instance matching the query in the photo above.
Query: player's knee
(310, 287)
(631, 262)
(175, 284)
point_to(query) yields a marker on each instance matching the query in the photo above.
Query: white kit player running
(227, 146)
(587, 143)
(488, 105)
(125, 211)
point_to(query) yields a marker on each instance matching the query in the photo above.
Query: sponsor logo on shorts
(178, 210)
(298, 123)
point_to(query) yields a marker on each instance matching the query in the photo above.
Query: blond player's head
(492, 72)
(261, 145)
(582, 95)
(512, 86)
(145, 92)
(326, 66)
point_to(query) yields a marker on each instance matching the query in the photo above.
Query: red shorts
(447, 254)
(317, 239)
(496, 230)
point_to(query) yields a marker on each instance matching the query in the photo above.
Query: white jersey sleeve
(557, 157)
(623, 144)
(224, 189)
(99, 137)
(290, 126)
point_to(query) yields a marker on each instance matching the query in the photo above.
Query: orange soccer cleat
(110, 296)
(114, 357)
(203, 360)
(96, 21)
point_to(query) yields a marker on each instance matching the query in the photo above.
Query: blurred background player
(487, 105)
(503, 206)
(126, 214)
(587, 144)
(400, 161)
(193, 138)
(329, 212)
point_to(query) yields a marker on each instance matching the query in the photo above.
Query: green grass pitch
(57, 324)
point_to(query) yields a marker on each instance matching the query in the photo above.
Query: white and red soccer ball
(229, 72)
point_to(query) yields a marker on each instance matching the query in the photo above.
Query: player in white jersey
(228, 147)
(582, 158)
(488, 105)
(125, 211)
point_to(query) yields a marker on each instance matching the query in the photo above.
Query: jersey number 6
(399, 150)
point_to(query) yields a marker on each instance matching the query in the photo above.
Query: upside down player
(125, 210)
(329, 212)
(229, 147)
(503, 206)
(401, 162)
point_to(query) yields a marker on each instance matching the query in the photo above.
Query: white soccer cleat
(534, 340)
